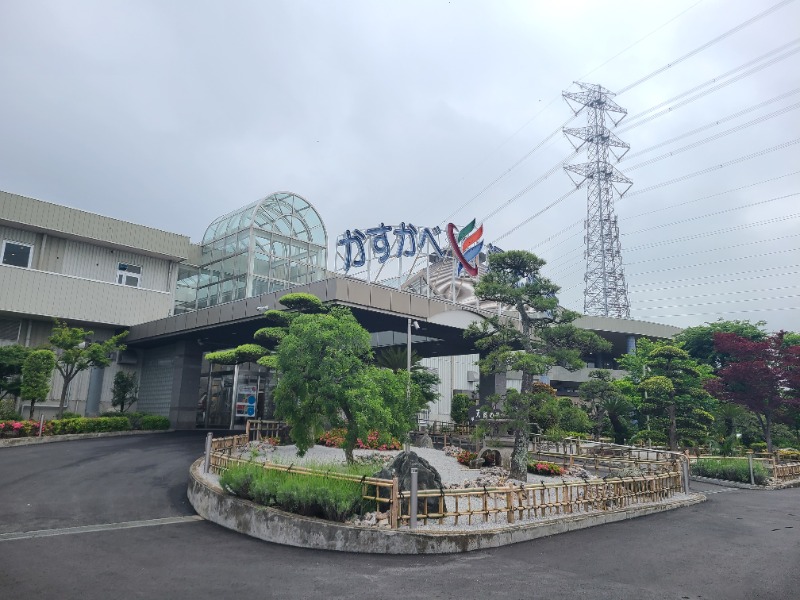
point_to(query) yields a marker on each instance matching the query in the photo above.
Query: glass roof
(282, 212)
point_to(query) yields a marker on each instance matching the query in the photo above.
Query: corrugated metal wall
(453, 375)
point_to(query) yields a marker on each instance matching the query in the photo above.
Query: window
(129, 274)
(17, 254)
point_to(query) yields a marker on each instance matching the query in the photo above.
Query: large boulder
(428, 477)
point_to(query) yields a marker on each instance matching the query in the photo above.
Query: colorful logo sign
(467, 246)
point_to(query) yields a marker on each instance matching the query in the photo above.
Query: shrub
(88, 425)
(7, 412)
(154, 422)
(307, 495)
(758, 446)
(465, 457)
(335, 438)
(545, 468)
(71, 415)
(730, 469)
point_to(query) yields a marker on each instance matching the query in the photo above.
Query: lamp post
(408, 359)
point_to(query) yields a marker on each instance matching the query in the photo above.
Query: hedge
(117, 422)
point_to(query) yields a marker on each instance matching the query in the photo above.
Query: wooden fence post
(394, 507)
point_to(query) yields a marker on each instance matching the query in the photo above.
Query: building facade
(181, 299)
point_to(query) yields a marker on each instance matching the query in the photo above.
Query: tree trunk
(519, 458)
(598, 426)
(30, 414)
(616, 425)
(62, 403)
(348, 454)
(673, 428)
(768, 431)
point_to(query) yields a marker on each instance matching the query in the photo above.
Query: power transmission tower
(606, 293)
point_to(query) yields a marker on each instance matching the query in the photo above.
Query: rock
(424, 441)
(476, 463)
(428, 477)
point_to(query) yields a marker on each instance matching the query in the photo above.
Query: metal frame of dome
(265, 246)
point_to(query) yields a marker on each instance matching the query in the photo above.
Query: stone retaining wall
(280, 527)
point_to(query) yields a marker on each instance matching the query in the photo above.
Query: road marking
(25, 535)
(727, 489)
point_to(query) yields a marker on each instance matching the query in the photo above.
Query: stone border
(280, 527)
(747, 486)
(68, 437)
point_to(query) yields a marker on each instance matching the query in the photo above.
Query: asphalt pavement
(108, 518)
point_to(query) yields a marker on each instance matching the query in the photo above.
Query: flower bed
(29, 428)
(335, 438)
(545, 468)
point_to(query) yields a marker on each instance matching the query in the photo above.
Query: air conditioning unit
(127, 357)
(473, 376)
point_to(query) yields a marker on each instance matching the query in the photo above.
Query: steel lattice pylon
(606, 293)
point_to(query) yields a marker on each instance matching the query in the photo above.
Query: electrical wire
(648, 286)
(708, 44)
(712, 214)
(743, 112)
(712, 233)
(731, 293)
(715, 137)
(713, 168)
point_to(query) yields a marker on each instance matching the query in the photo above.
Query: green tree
(544, 334)
(424, 382)
(459, 408)
(617, 408)
(598, 391)
(672, 384)
(36, 373)
(74, 354)
(699, 341)
(327, 378)
(124, 391)
(11, 360)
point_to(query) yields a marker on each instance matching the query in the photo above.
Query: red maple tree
(763, 376)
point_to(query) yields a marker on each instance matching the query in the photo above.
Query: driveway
(110, 519)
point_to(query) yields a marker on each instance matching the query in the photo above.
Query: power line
(714, 168)
(716, 136)
(717, 232)
(717, 262)
(739, 301)
(632, 119)
(727, 312)
(529, 187)
(736, 189)
(532, 217)
(708, 44)
(710, 125)
(648, 286)
(733, 293)
(713, 214)
(507, 171)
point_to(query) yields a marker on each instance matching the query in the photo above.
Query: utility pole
(606, 292)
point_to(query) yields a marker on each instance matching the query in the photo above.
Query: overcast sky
(171, 113)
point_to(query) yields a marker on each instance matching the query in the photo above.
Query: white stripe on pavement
(24, 535)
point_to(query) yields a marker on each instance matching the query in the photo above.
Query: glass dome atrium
(266, 246)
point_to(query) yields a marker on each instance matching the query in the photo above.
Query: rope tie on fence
(290, 468)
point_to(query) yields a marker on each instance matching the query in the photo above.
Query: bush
(545, 468)
(154, 423)
(335, 438)
(88, 425)
(758, 446)
(7, 412)
(71, 415)
(465, 457)
(307, 495)
(730, 469)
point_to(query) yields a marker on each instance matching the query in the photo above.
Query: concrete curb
(68, 437)
(747, 486)
(277, 526)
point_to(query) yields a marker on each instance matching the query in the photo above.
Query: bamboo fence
(501, 505)
(511, 504)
